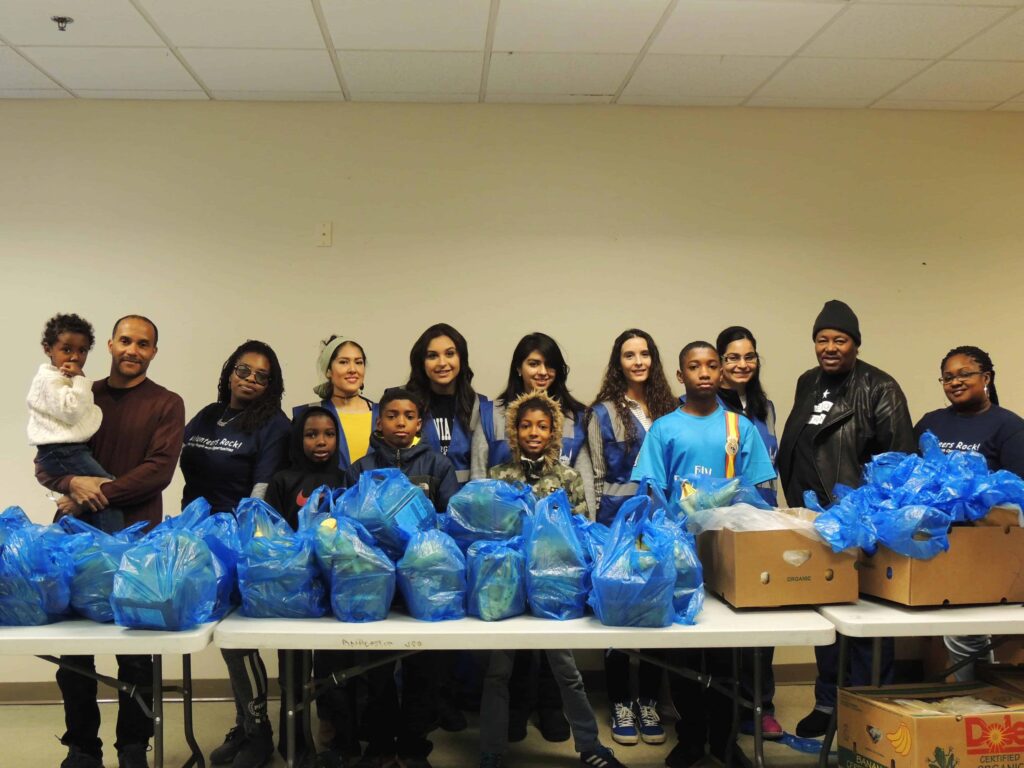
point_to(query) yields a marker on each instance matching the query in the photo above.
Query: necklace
(223, 422)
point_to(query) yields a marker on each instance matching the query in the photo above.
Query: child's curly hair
(59, 324)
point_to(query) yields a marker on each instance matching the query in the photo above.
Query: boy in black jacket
(392, 446)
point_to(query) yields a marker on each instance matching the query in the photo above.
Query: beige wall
(578, 221)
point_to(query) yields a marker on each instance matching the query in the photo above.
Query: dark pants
(859, 668)
(82, 714)
(767, 678)
(398, 725)
(705, 715)
(532, 685)
(337, 704)
(616, 674)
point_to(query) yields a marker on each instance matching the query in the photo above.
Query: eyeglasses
(244, 372)
(750, 358)
(963, 376)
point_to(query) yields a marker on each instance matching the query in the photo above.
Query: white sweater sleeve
(64, 399)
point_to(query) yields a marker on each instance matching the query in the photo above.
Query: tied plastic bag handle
(655, 495)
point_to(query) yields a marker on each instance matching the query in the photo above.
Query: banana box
(964, 725)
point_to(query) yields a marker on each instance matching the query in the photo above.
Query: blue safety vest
(344, 461)
(574, 436)
(618, 457)
(461, 442)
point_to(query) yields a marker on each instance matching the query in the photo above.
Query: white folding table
(718, 626)
(876, 620)
(81, 637)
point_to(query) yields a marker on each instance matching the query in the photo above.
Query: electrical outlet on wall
(324, 234)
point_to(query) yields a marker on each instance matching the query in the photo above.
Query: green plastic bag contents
(35, 571)
(490, 510)
(166, 581)
(362, 577)
(432, 577)
(635, 576)
(688, 594)
(95, 556)
(277, 571)
(496, 574)
(693, 494)
(390, 507)
(557, 574)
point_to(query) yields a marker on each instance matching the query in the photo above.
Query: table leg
(830, 731)
(757, 710)
(734, 728)
(876, 661)
(158, 711)
(196, 759)
(307, 700)
(289, 704)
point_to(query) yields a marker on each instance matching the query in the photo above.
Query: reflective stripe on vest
(732, 442)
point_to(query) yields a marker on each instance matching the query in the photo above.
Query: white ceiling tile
(547, 98)
(648, 100)
(807, 78)
(952, 106)
(411, 71)
(746, 28)
(15, 72)
(408, 25)
(576, 26)
(34, 93)
(278, 95)
(965, 81)
(784, 103)
(688, 77)
(96, 22)
(561, 73)
(237, 23)
(231, 69)
(901, 31)
(150, 95)
(114, 68)
(1005, 41)
(419, 98)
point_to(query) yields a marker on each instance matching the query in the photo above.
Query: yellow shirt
(357, 428)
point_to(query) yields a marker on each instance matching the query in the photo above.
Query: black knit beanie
(838, 316)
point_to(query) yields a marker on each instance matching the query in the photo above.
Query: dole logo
(987, 737)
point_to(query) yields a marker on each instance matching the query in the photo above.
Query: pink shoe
(770, 727)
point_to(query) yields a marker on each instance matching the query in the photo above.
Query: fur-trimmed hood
(553, 453)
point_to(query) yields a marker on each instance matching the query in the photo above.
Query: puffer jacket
(868, 417)
(420, 463)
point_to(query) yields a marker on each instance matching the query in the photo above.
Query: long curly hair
(419, 382)
(657, 392)
(559, 389)
(269, 403)
(984, 362)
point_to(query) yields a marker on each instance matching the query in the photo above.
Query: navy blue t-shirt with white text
(997, 434)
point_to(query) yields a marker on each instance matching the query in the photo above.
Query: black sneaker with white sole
(602, 757)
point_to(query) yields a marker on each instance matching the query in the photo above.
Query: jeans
(616, 675)
(962, 646)
(494, 704)
(532, 685)
(859, 654)
(82, 714)
(248, 678)
(61, 459)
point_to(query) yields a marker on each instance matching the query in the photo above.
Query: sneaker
(602, 757)
(517, 721)
(450, 718)
(553, 725)
(650, 724)
(257, 749)
(624, 724)
(684, 756)
(225, 753)
(814, 725)
(78, 759)
(770, 727)
(133, 756)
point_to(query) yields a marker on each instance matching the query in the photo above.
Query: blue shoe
(602, 757)
(650, 724)
(624, 724)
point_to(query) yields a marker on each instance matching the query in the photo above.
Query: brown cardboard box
(984, 565)
(877, 730)
(753, 569)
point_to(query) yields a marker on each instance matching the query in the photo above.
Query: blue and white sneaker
(624, 724)
(602, 757)
(650, 723)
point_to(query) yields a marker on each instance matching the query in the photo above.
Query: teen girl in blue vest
(341, 366)
(633, 394)
(439, 373)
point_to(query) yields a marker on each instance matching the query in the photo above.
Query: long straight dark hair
(757, 400)
(269, 403)
(419, 382)
(547, 347)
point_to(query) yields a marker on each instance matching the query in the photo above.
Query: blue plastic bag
(693, 493)
(432, 577)
(35, 572)
(688, 594)
(277, 572)
(635, 577)
(843, 525)
(592, 536)
(220, 533)
(496, 579)
(166, 581)
(390, 507)
(915, 531)
(362, 577)
(557, 574)
(488, 510)
(95, 557)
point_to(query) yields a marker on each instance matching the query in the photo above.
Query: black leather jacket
(869, 417)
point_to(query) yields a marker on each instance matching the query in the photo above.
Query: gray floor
(29, 735)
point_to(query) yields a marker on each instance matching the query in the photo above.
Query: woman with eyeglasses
(232, 449)
(974, 421)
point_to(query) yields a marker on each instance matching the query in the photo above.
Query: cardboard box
(984, 565)
(769, 569)
(880, 728)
